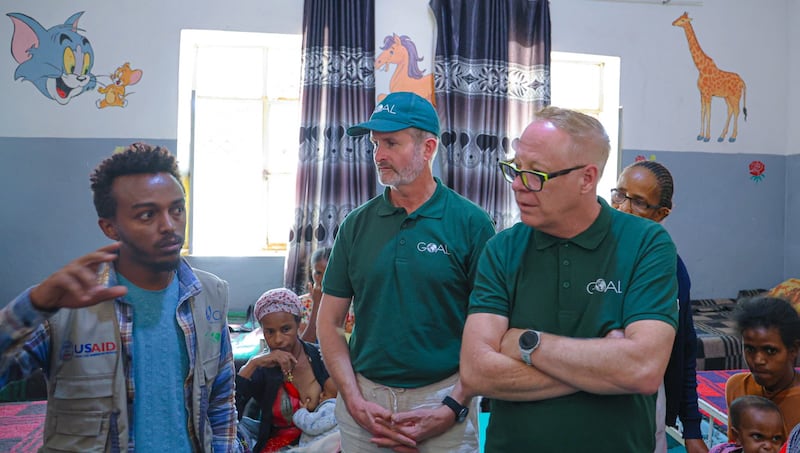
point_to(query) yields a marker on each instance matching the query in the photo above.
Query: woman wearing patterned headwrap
(292, 371)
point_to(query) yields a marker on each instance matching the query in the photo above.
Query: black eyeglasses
(637, 204)
(532, 180)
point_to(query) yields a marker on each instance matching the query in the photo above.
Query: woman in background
(292, 371)
(310, 300)
(645, 189)
(770, 329)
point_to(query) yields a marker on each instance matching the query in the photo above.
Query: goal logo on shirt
(602, 286)
(432, 248)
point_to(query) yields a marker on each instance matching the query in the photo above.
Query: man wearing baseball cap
(406, 259)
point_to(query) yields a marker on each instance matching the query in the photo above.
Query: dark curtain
(335, 173)
(492, 73)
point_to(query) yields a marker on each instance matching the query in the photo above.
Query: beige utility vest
(87, 407)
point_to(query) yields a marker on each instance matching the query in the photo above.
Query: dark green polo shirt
(620, 270)
(410, 277)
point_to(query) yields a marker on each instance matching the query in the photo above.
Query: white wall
(793, 76)
(413, 18)
(659, 95)
(146, 33)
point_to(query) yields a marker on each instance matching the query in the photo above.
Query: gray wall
(791, 250)
(728, 228)
(49, 219)
(248, 277)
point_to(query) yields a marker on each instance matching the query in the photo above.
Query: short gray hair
(587, 133)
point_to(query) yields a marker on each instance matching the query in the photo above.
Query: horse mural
(407, 76)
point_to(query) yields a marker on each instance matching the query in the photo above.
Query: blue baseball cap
(397, 111)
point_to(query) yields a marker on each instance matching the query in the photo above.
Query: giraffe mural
(712, 82)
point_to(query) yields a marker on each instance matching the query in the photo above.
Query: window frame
(190, 44)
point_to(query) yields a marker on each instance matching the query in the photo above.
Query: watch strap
(460, 411)
(526, 357)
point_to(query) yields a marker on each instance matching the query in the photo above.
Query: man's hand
(76, 284)
(419, 424)
(378, 421)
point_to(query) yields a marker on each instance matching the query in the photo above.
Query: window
(239, 116)
(590, 84)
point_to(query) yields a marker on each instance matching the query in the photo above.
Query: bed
(719, 344)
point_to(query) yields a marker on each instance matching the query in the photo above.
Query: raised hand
(76, 285)
(275, 358)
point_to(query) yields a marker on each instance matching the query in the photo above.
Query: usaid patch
(70, 350)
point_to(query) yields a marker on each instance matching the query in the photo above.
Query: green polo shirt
(410, 277)
(620, 270)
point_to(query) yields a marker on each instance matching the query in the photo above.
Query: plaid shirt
(25, 347)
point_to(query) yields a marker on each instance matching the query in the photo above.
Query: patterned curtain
(492, 73)
(335, 173)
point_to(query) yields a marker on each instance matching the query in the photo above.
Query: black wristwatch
(528, 342)
(460, 411)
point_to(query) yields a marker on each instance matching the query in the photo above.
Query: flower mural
(757, 170)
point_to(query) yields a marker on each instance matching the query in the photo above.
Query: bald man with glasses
(573, 312)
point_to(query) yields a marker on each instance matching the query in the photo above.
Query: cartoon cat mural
(57, 61)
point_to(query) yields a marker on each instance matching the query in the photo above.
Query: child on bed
(756, 427)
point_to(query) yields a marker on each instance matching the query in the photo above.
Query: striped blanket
(719, 344)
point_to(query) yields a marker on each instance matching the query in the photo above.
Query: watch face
(528, 339)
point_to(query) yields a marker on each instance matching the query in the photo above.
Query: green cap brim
(379, 125)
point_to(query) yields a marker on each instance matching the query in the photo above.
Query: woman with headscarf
(292, 371)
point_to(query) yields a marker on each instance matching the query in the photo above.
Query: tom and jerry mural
(115, 95)
(59, 60)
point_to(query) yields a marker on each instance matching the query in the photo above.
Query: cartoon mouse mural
(115, 91)
(57, 61)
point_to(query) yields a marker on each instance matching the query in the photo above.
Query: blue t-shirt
(160, 366)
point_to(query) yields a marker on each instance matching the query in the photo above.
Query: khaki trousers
(461, 438)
